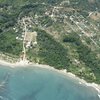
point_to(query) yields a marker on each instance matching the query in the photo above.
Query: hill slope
(66, 34)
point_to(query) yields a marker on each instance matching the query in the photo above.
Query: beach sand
(26, 63)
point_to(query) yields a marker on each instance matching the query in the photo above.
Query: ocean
(34, 83)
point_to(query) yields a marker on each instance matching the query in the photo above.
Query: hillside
(63, 34)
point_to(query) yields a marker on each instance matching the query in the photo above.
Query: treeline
(51, 52)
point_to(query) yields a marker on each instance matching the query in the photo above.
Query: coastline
(26, 63)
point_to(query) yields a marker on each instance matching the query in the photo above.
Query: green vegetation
(57, 43)
(51, 52)
(9, 44)
(85, 55)
(85, 4)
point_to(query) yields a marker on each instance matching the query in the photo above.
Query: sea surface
(33, 83)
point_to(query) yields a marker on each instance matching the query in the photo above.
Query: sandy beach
(64, 72)
(13, 65)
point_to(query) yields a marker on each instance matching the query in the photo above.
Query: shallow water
(41, 84)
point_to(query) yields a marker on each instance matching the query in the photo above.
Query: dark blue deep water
(34, 83)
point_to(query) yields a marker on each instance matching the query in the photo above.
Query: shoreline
(63, 71)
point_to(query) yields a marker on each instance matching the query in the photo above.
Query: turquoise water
(41, 84)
